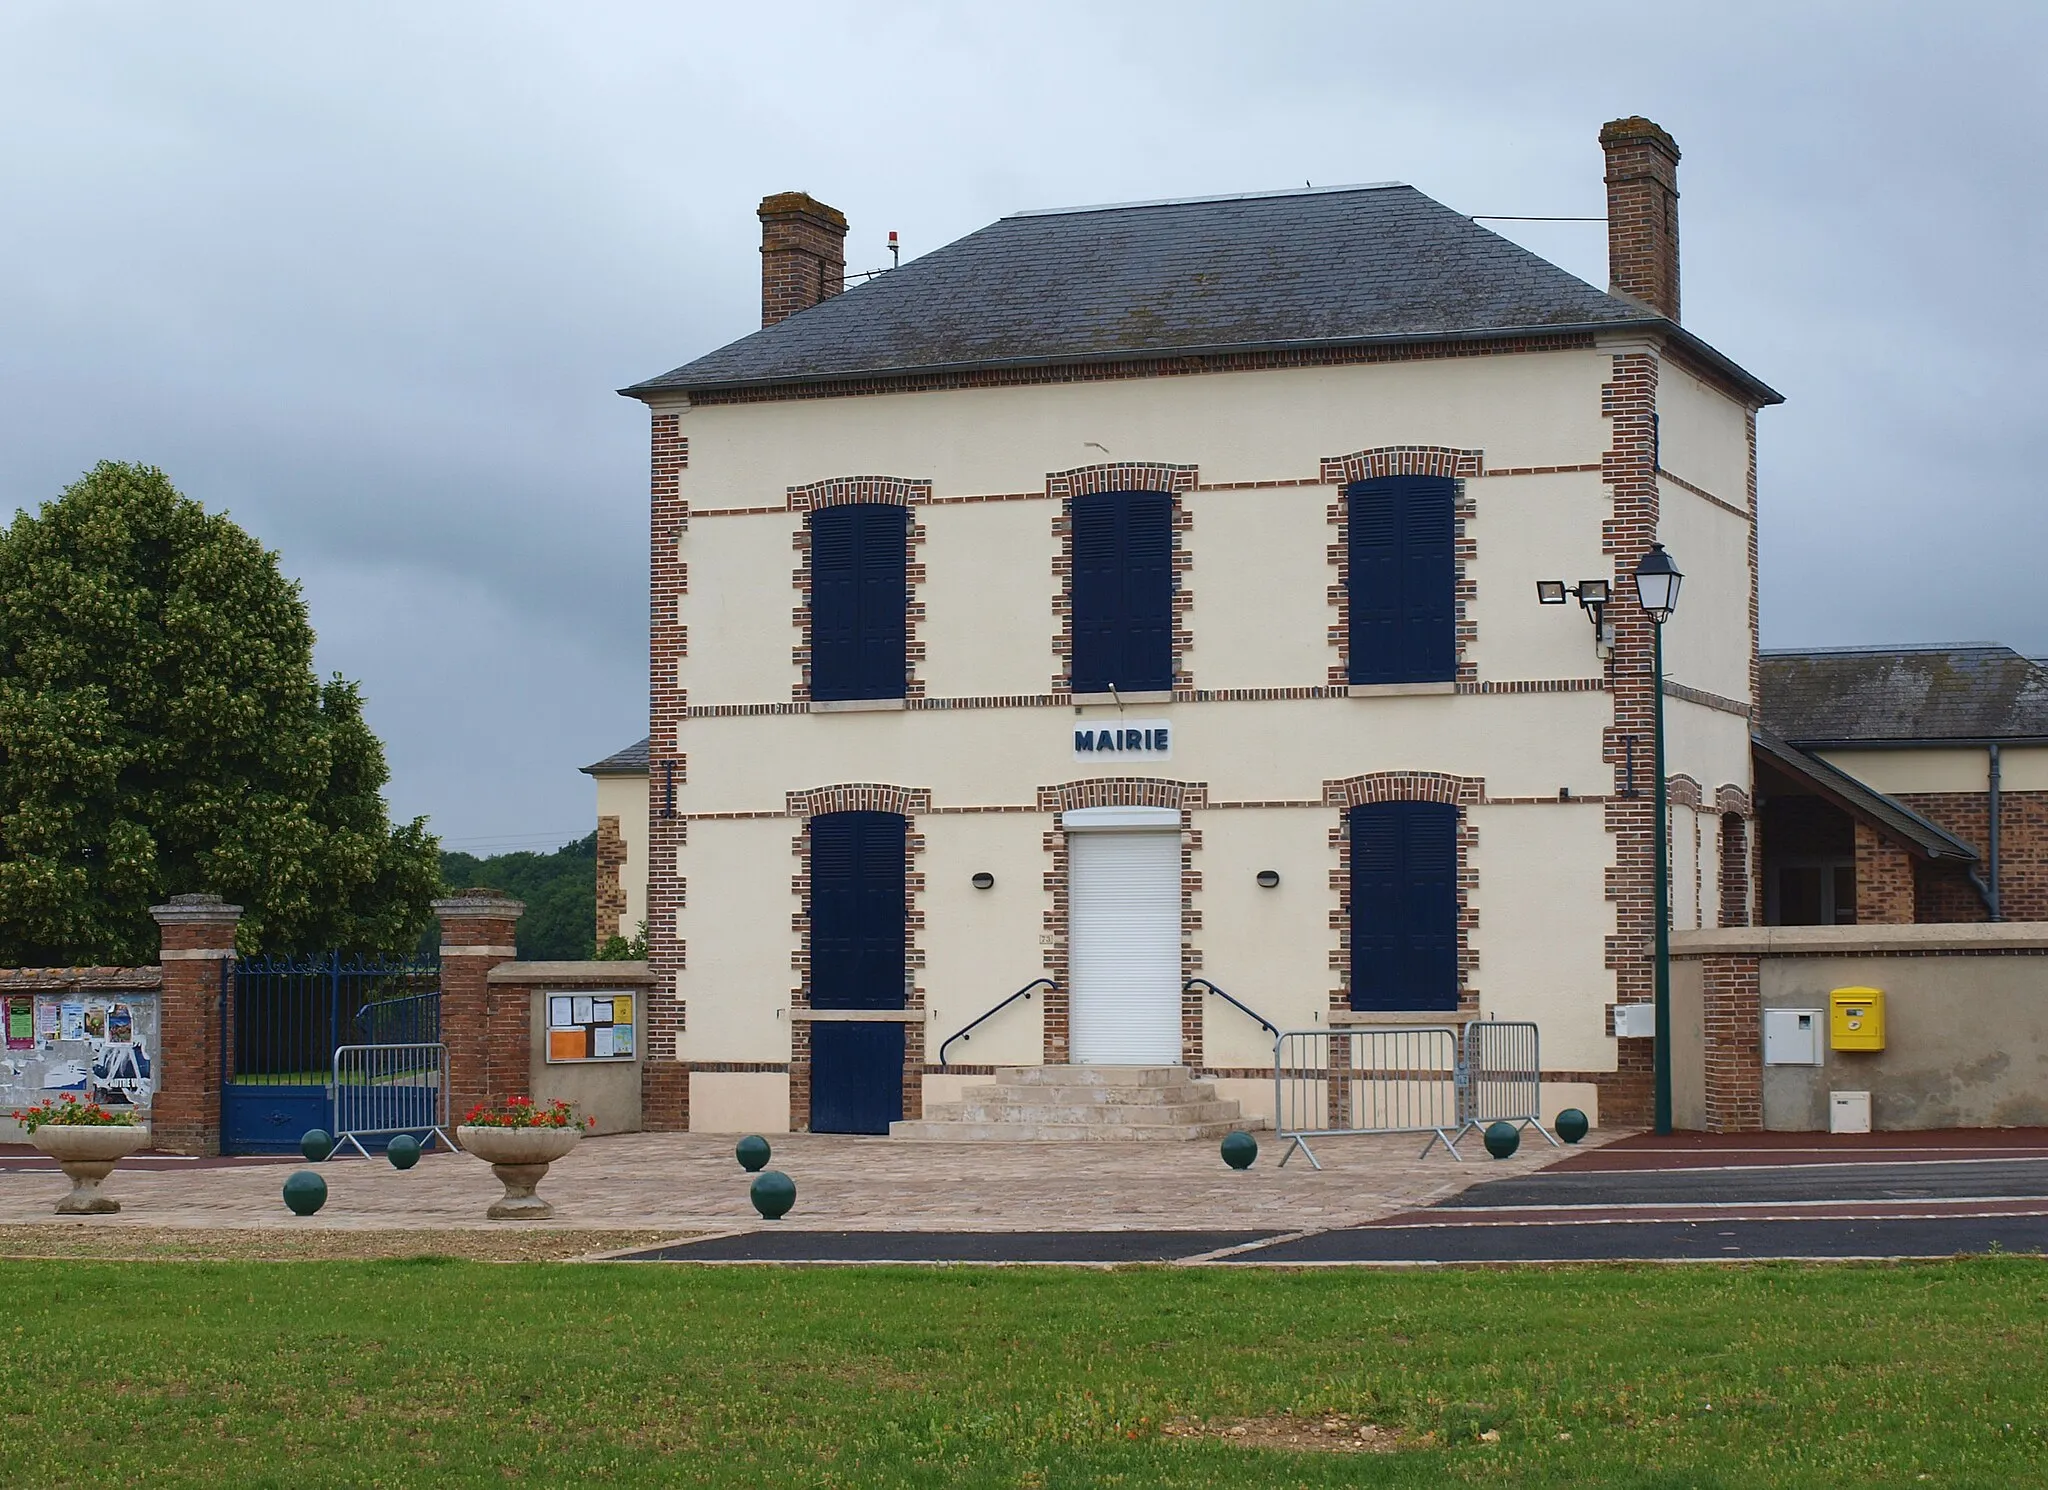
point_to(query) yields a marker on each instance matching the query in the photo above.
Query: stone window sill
(1149, 696)
(854, 705)
(1398, 690)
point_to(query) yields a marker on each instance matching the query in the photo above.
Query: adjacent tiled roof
(632, 761)
(1978, 691)
(1227, 274)
(1889, 817)
(79, 979)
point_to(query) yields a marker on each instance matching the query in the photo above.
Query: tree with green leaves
(162, 731)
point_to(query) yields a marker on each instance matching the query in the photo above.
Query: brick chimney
(803, 254)
(1642, 213)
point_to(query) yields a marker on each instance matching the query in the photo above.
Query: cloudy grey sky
(367, 277)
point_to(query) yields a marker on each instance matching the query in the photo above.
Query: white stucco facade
(1264, 741)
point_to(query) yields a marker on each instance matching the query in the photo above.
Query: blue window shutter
(1404, 906)
(1148, 592)
(859, 591)
(857, 910)
(1122, 591)
(1403, 579)
(884, 595)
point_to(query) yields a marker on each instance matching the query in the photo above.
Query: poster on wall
(590, 1027)
(96, 1047)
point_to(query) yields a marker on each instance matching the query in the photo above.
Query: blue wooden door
(1404, 906)
(857, 962)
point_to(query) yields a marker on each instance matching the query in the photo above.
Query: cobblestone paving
(678, 1183)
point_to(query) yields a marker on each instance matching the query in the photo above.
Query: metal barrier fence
(1336, 1083)
(1406, 1079)
(384, 1090)
(1502, 1081)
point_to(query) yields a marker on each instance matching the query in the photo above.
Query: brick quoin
(487, 1037)
(198, 942)
(611, 888)
(1629, 469)
(664, 1080)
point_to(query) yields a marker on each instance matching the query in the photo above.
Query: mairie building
(1131, 613)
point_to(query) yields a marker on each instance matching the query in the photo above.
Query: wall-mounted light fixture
(984, 881)
(1593, 596)
(1268, 878)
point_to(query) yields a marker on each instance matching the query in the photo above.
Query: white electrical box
(1792, 1037)
(1635, 1021)
(1848, 1112)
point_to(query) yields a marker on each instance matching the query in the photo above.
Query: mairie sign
(1124, 739)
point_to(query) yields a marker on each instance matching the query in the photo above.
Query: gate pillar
(487, 1056)
(197, 941)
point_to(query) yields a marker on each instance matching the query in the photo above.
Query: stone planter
(87, 1156)
(520, 1157)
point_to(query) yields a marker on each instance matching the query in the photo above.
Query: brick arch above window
(1085, 481)
(859, 796)
(1402, 460)
(1732, 798)
(837, 491)
(1683, 791)
(1405, 786)
(1123, 791)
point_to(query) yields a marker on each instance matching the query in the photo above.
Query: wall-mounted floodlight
(1593, 596)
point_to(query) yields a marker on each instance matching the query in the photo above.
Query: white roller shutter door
(1123, 970)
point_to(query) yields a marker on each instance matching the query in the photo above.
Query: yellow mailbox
(1856, 1019)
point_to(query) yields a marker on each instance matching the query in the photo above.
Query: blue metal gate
(282, 1019)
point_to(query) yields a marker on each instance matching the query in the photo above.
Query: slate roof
(632, 761)
(1225, 274)
(1888, 816)
(1861, 695)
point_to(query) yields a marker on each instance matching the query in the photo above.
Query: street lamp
(1657, 581)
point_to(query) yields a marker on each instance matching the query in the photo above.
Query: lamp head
(1657, 581)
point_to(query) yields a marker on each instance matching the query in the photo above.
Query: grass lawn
(441, 1372)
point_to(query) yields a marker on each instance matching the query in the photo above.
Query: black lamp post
(1657, 580)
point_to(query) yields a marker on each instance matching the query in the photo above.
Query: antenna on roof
(895, 259)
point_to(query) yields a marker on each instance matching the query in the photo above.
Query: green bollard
(1572, 1125)
(773, 1194)
(403, 1151)
(1502, 1139)
(1239, 1149)
(752, 1152)
(305, 1192)
(316, 1145)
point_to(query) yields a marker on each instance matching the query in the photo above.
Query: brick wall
(1884, 881)
(1947, 895)
(1732, 1003)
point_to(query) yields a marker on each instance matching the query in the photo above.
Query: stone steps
(1084, 1104)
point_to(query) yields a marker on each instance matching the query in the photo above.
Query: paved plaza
(680, 1184)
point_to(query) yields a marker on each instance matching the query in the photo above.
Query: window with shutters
(858, 926)
(1403, 579)
(1404, 906)
(859, 594)
(1122, 592)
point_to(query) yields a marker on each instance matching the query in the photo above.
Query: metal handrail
(1264, 1023)
(1022, 993)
